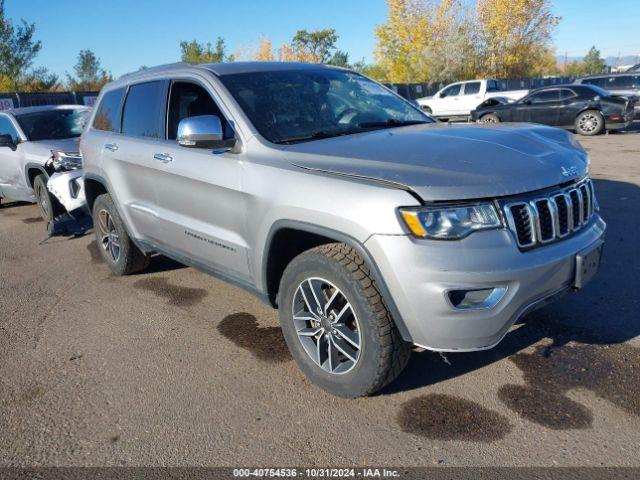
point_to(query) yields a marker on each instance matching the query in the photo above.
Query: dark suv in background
(626, 84)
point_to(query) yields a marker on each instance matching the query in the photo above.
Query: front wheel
(116, 247)
(48, 205)
(489, 118)
(336, 325)
(589, 123)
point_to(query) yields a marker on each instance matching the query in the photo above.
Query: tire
(49, 205)
(589, 123)
(489, 118)
(382, 354)
(116, 248)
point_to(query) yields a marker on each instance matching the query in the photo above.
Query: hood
(451, 162)
(40, 151)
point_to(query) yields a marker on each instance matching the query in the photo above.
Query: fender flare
(31, 166)
(342, 238)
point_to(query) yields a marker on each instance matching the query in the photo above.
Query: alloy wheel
(589, 122)
(43, 200)
(109, 238)
(326, 325)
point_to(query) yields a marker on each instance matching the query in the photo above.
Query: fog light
(475, 299)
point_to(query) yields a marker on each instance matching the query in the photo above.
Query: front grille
(552, 216)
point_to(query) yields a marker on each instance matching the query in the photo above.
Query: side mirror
(7, 141)
(527, 102)
(442, 95)
(203, 131)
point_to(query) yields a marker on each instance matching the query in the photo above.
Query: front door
(543, 107)
(202, 209)
(13, 184)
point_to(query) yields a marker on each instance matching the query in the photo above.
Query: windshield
(53, 124)
(598, 90)
(303, 105)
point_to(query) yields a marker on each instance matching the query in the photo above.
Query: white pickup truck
(455, 101)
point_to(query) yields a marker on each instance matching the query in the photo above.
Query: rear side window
(623, 81)
(545, 96)
(143, 111)
(472, 88)
(108, 114)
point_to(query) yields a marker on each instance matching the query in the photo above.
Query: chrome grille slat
(548, 218)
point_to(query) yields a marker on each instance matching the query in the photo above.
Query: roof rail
(156, 68)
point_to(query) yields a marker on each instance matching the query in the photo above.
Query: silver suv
(368, 225)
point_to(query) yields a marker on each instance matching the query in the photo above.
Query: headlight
(65, 161)
(450, 222)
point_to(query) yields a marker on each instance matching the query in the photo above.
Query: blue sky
(126, 34)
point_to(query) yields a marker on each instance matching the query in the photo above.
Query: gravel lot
(173, 367)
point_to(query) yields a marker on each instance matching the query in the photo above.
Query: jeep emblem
(569, 172)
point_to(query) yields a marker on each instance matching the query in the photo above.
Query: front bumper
(419, 273)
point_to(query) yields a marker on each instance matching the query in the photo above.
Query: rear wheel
(489, 118)
(336, 325)
(115, 246)
(589, 123)
(48, 204)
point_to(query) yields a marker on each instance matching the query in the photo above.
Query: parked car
(586, 109)
(35, 142)
(456, 101)
(625, 84)
(369, 226)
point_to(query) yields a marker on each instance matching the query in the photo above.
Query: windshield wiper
(314, 136)
(391, 122)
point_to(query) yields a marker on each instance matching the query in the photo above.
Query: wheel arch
(32, 170)
(300, 236)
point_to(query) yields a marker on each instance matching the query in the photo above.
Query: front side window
(143, 112)
(545, 96)
(598, 81)
(566, 94)
(56, 124)
(107, 116)
(191, 100)
(309, 104)
(7, 128)
(472, 88)
(452, 91)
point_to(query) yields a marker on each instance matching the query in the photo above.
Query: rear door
(470, 97)
(128, 156)
(202, 209)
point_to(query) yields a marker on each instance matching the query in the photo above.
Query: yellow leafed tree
(412, 27)
(264, 52)
(514, 36)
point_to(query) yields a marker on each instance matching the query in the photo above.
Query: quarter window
(7, 128)
(108, 114)
(143, 111)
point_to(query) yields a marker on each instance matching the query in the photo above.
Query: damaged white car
(36, 142)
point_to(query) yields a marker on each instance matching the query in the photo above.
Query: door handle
(163, 157)
(111, 146)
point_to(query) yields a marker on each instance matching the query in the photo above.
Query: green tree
(196, 52)
(89, 74)
(311, 47)
(17, 48)
(340, 59)
(39, 80)
(593, 63)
